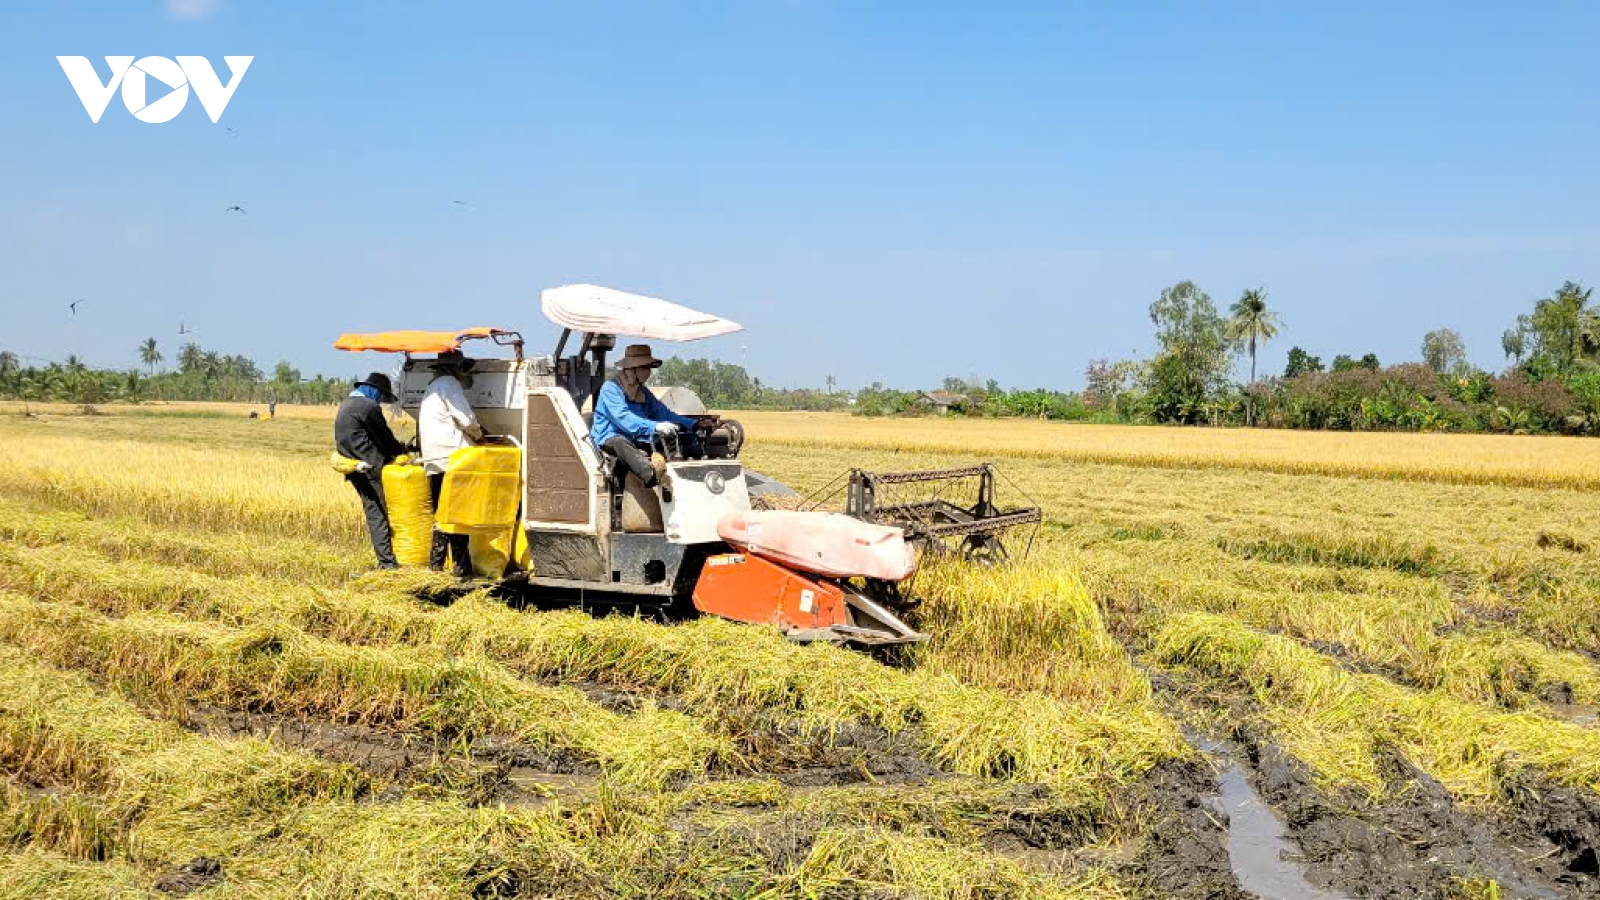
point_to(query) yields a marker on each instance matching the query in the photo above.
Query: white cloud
(191, 9)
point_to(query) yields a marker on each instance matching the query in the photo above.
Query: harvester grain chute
(595, 535)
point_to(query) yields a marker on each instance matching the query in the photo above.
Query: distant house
(940, 402)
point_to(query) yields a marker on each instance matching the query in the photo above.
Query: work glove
(403, 459)
(666, 428)
(474, 431)
(363, 467)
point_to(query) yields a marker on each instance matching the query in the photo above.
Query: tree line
(200, 375)
(723, 385)
(1551, 383)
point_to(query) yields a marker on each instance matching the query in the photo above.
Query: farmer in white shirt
(445, 424)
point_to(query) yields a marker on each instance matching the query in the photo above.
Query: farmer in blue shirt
(627, 415)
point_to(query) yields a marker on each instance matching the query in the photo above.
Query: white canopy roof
(589, 307)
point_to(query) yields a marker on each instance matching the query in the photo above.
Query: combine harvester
(595, 535)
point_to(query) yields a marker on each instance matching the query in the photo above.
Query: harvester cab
(596, 535)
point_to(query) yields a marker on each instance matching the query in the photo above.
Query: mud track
(855, 753)
(1185, 848)
(1540, 843)
(196, 874)
(1543, 844)
(1023, 822)
(490, 770)
(1418, 842)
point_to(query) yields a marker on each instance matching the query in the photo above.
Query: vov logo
(133, 76)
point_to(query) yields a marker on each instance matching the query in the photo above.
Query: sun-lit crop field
(203, 691)
(1452, 458)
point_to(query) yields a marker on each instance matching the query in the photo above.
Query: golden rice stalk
(288, 671)
(1337, 721)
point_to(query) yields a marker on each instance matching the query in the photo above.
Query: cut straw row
(281, 821)
(172, 661)
(287, 825)
(1413, 631)
(1339, 722)
(710, 665)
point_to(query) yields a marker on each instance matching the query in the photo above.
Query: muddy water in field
(1262, 858)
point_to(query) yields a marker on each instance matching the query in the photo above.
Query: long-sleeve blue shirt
(615, 414)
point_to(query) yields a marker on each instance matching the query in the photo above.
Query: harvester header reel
(964, 509)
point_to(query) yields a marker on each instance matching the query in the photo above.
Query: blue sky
(878, 191)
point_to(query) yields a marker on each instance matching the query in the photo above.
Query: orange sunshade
(412, 341)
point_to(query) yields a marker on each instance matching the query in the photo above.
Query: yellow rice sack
(344, 465)
(489, 555)
(405, 490)
(522, 555)
(482, 490)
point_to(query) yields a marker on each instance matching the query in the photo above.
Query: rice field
(204, 692)
(1451, 458)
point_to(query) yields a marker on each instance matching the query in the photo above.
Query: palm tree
(831, 382)
(149, 355)
(1253, 323)
(189, 357)
(1566, 329)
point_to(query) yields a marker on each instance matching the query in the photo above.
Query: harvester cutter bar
(941, 518)
(984, 525)
(925, 474)
(978, 519)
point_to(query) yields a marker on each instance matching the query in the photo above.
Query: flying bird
(458, 203)
(183, 330)
(238, 209)
(74, 305)
(231, 132)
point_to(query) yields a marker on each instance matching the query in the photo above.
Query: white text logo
(133, 76)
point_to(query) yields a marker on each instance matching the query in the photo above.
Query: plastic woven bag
(405, 491)
(488, 553)
(482, 489)
(344, 465)
(493, 551)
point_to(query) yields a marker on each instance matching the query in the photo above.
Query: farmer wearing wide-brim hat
(627, 415)
(360, 433)
(445, 424)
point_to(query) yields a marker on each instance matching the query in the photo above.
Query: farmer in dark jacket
(360, 433)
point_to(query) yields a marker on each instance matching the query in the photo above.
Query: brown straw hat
(637, 355)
